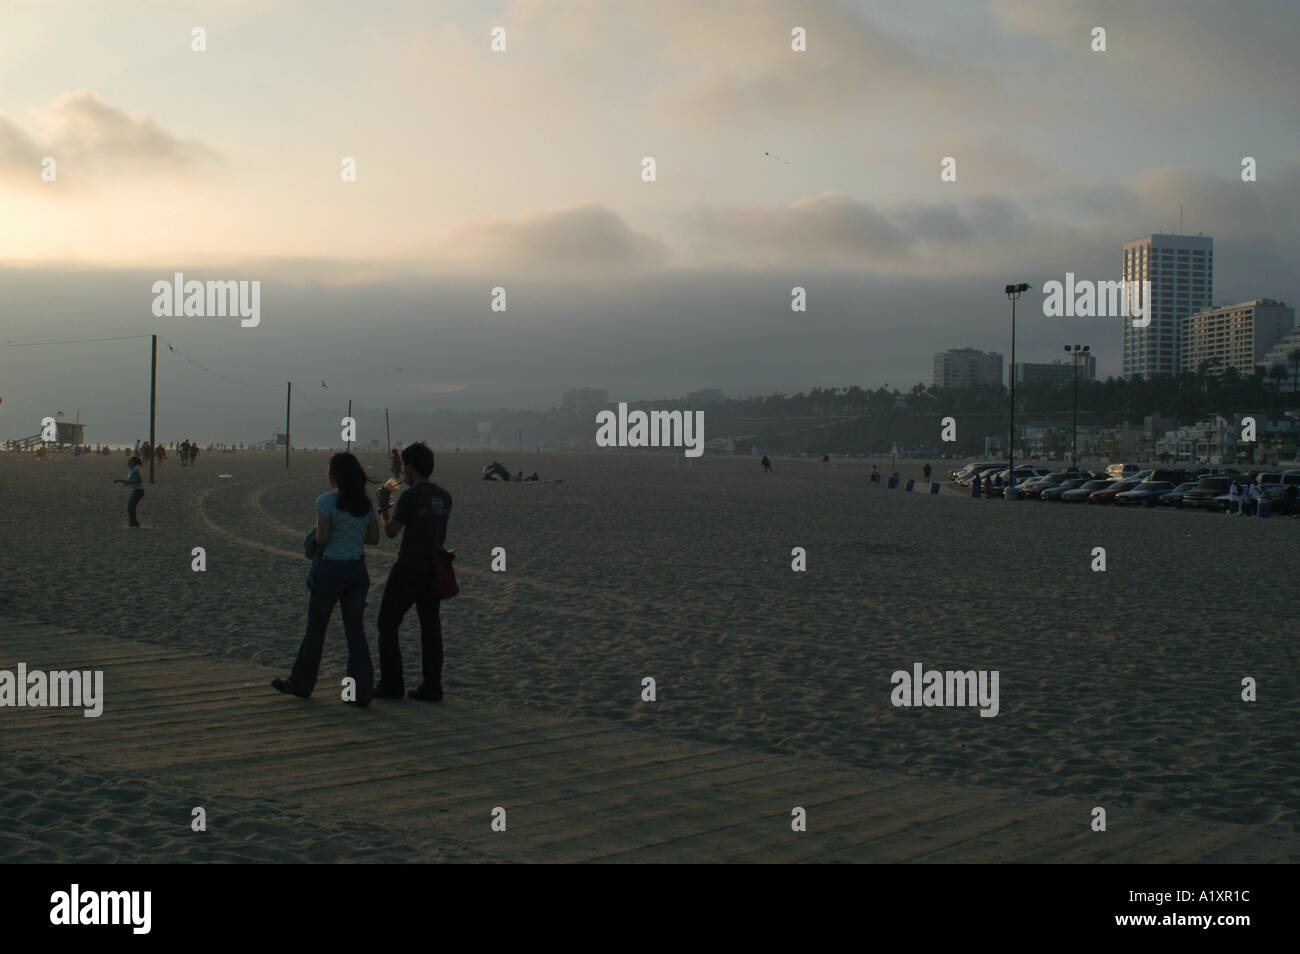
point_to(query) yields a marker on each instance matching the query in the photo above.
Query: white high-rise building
(1180, 269)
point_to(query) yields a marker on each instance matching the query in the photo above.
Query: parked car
(963, 477)
(1144, 474)
(1174, 498)
(1147, 493)
(1264, 477)
(1120, 471)
(1175, 476)
(1082, 493)
(1201, 497)
(1054, 493)
(1034, 488)
(1107, 494)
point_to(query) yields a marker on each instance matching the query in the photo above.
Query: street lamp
(1075, 353)
(1013, 292)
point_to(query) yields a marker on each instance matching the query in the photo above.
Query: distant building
(967, 368)
(1180, 269)
(1205, 442)
(1235, 336)
(705, 396)
(1057, 373)
(1280, 353)
(584, 402)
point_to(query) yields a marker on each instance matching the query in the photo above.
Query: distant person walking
(421, 518)
(1234, 497)
(136, 484)
(185, 453)
(160, 455)
(395, 465)
(194, 456)
(345, 523)
(926, 470)
(875, 476)
(1252, 498)
(767, 465)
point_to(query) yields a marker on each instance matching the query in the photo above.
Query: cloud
(582, 238)
(1215, 56)
(89, 140)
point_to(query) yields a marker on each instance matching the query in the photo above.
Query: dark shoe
(425, 694)
(284, 687)
(383, 692)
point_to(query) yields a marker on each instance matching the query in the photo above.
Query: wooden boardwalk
(424, 778)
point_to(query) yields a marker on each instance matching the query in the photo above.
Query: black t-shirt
(423, 511)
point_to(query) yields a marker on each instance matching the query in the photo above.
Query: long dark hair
(351, 479)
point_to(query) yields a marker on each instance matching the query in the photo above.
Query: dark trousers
(130, 507)
(345, 582)
(407, 585)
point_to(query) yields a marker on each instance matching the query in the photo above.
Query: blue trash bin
(893, 481)
(934, 488)
(1265, 507)
(975, 491)
(909, 485)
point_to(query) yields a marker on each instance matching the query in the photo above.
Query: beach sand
(1119, 689)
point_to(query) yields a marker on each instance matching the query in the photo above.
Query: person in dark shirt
(421, 518)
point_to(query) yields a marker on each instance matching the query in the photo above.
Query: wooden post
(153, 402)
(288, 403)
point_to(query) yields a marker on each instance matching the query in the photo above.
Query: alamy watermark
(75, 907)
(1089, 299)
(652, 429)
(931, 687)
(57, 689)
(214, 299)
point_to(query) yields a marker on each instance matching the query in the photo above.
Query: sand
(1120, 689)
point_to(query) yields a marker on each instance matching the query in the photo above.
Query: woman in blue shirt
(345, 523)
(136, 483)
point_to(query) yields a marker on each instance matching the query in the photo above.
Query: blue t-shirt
(134, 480)
(347, 533)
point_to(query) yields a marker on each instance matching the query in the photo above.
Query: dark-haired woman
(345, 523)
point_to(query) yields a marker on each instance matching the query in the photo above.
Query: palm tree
(1278, 374)
(1294, 358)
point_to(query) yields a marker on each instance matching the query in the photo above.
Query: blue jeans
(345, 582)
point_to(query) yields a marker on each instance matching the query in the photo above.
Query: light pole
(1013, 292)
(1075, 353)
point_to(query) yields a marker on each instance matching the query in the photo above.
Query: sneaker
(383, 692)
(425, 694)
(284, 687)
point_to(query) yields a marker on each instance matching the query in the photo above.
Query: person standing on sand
(194, 456)
(875, 476)
(396, 465)
(345, 524)
(767, 465)
(421, 517)
(1234, 497)
(926, 470)
(136, 483)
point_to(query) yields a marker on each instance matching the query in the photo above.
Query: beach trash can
(1265, 507)
(934, 488)
(893, 481)
(909, 485)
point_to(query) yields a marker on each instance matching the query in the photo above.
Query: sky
(522, 169)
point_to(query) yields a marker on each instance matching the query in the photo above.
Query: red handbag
(445, 574)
